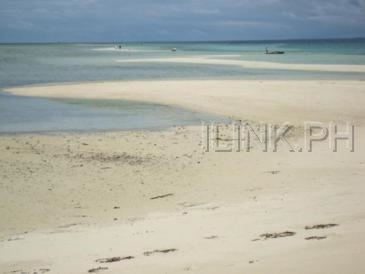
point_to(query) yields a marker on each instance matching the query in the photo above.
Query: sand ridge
(260, 101)
(210, 60)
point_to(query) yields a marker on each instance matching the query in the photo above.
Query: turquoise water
(50, 63)
(25, 64)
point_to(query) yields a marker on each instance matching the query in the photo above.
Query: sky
(178, 20)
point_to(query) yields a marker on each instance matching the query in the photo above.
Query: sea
(33, 64)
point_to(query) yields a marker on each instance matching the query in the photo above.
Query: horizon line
(186, 41)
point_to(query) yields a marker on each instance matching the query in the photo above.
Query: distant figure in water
(273, 52)
(119, 46)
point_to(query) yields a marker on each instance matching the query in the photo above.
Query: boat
(274, 52)
(118, 46)
(174, 49)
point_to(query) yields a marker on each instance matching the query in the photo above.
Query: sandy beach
(257, 100)
(182, 137)
(158, 202)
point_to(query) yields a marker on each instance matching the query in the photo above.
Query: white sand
(70, 199)
(266, 101)
(207, 60)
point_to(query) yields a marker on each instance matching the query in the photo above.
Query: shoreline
(161, 200)
(253, 100)
(51, 84)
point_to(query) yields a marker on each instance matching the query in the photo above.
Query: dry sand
(267, 101)
(68, 200)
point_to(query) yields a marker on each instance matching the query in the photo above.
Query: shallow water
(26, 114)
(52, 63)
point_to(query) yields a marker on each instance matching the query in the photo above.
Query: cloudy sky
(165, 20)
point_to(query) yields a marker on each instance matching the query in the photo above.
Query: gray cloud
(108, 20)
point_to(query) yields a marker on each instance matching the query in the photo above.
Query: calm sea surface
(53, 63)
